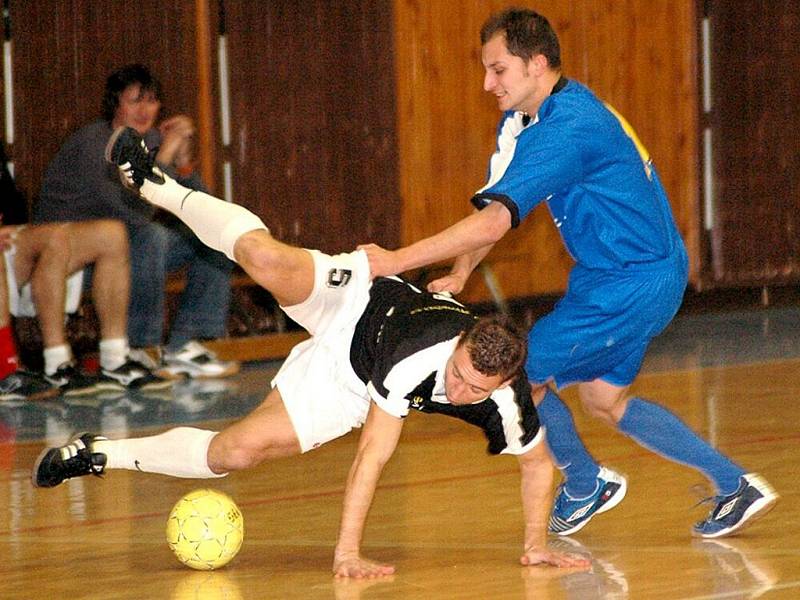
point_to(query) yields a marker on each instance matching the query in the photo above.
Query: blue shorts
(601, 328)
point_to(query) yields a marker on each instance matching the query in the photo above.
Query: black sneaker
(75, 459)
(127, 151)
(24, 385)
(71, 382)
(132, 375)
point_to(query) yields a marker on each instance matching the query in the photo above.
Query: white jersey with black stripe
(400, 349)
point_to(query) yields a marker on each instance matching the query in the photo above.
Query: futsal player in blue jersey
(558, 143)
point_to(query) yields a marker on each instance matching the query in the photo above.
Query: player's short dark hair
(527, 34)
(120, 80)
(496, 346)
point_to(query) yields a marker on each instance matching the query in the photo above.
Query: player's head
(488, 356)
(132, 98)
(519, 47)
(526, 33)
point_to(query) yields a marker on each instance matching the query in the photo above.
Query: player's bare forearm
(480, 229)
(536, 469)
(376, 445)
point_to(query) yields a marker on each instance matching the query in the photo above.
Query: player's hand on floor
(543, 556)
(382, 262)
(449, 283)
(353, 565)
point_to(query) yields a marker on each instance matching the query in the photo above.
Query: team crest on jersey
(416, 402)
(339, 277)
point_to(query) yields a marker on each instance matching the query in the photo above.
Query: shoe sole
(112, 141)
(34, 397)
(616, 499)
(36, 466)
(176, 372)
(74, 393)
(156, 386)
(108, 154)
(758, 509)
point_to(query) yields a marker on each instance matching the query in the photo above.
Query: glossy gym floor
(446, 514)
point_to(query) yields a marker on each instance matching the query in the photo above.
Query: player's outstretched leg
(285, 271)
(178, 452)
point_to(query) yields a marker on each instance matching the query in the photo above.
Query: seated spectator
(43, 267)
(79, 185)
(16, 383)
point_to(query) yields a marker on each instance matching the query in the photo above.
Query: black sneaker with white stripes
(132, 375)
(71, 382)
(75, 459)
(127, 151)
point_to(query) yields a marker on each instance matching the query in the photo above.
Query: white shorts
(20, 301)
(322, 394)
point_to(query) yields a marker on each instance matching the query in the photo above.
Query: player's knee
(253, 251)
(51, 252)
(228, 453)
(607, 410)
(57, 235)
(109, 236)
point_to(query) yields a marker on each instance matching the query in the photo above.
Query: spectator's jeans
(158, 249)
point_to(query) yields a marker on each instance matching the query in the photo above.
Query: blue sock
(656, 428)
(579, 468)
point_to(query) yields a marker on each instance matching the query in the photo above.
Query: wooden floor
(446, 514)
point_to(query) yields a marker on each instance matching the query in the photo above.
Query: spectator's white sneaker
(195, 360)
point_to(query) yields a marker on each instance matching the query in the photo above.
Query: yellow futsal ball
(205, 529)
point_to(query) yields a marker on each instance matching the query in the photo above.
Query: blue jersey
(584, 160)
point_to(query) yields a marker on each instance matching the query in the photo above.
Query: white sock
(56, 356)
(217, 223)
(179, 452)
(113, 353)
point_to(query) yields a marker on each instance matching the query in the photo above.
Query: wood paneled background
(365, 120)
(755, 54)
(313, 146)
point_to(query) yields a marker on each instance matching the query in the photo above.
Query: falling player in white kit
(377, 350)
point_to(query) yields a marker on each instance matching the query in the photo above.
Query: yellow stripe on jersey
(631, 133)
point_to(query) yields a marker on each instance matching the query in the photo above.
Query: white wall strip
(9, 91)
(706, 51)
(708, 181)
(224, 95)
(227, 181)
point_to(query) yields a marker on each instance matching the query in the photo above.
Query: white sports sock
(179, 452)
(56, 356)
(217, 223)
(113, 353)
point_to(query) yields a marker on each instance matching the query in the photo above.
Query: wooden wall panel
(63, 52)
(756, 147)
(446, 122)
(313, 143)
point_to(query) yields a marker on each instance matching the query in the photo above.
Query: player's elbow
(497, 222)
(374, 456)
